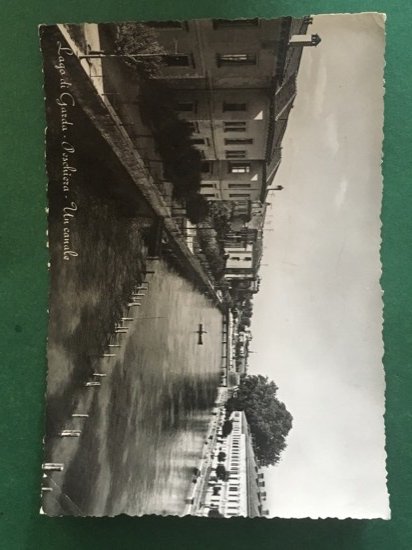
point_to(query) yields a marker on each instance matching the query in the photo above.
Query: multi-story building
(242, 492)
(240, 262)
(235, 81)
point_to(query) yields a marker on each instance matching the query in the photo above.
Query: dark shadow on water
(108, 228)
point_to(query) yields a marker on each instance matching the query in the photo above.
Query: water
(148, 421)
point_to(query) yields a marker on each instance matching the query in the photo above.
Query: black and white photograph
(215, 310)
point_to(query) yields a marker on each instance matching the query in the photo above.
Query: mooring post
(143, 284)
(70, 433)
(52, 467)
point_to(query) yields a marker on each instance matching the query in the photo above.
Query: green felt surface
(24, 280)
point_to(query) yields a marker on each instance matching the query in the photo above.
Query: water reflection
(149, 419)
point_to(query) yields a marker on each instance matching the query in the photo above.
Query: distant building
(236, 83)
(240, 262)
(244, 493)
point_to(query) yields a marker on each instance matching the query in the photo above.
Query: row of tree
(158, 106)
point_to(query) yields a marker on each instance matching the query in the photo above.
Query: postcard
(215, 311)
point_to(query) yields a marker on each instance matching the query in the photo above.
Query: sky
(318, 316)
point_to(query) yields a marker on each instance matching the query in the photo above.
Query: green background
(24, 280)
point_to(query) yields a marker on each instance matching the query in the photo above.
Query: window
(186, 106)
(234, 126)
(234, 106)
(167, 24)
(210, 195)
(208, 186)
(225, 23)
(238, 141)
(239, 195)
(198, 141)
(239, 185)
(235, 59)
(239, 167)
(194, 126)
(236, 154)
(177, 60)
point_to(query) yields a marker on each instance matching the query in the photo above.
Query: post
(52, 467)
(70, 433)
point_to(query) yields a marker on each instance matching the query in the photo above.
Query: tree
(268, 418)
(196, 206)
(227, 428)
(221, 456)
(134, 39)
(181, 160)
(214, 513)
(220, 213)
(220, 470)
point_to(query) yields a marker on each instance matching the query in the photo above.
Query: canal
(147, 421)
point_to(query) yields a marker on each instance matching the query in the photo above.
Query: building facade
(243, 492)
(235, 84)
(235, 81)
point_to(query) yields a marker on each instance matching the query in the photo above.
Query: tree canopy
(268, 418)
(134, 39)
